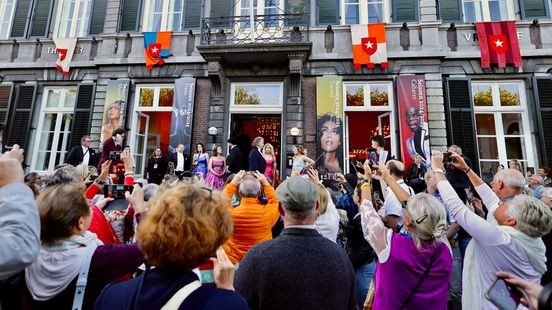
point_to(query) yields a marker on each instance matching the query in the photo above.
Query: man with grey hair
(511, 238)
(392, 207)
(300, 269)
(253, 220)
(536, 184)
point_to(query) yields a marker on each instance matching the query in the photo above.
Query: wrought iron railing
(279, 28)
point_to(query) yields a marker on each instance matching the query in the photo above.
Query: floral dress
(201, 164)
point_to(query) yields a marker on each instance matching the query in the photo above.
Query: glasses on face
(87, 141)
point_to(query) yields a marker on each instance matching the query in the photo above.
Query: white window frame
(485, 15)
(363, 11)
(390, 108)
(59, 110)
(167, 16)
(74, 31)
(262, 108)
(497, 110)
(7, 24)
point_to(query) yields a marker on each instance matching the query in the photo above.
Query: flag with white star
(499, 44)
(157, 47)
(369, 46)
(65, 47)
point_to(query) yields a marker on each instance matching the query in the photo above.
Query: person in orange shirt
(253, 220)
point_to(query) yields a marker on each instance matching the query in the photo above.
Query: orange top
(253, 222)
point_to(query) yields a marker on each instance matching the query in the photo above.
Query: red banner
(499, 44)
(414, 135)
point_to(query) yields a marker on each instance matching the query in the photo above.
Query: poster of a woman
(112, 120)
(114, 110)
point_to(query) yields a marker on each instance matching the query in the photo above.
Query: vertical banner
(115, 107)
(413, 122)
(183, 112)
(329, 125)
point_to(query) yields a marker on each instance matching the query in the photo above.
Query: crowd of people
(205, 233)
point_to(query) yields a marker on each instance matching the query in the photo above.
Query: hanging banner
(114, 108)
(183, 113)
(413, 122)
(329, 125)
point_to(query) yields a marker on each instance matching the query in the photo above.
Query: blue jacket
(153, 288)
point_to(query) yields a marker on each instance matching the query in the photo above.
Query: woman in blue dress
(200, 160)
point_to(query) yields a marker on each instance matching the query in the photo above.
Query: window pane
(6, 19)
(487, 147)
(473, 11)
(482, 95)
(375, 11)
(485, 124)
(351, 12)
(512, 124)
(257, 94)
(54, 98)
(166, 97)
(146, 97)
(509, 94)
(515, 147)
(42, 161)
(498, 10)
(379, 95)
(46, 139)
(355, 95)
(488, 170)
(70, 98)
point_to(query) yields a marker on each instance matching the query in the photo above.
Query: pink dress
(214, 181)
(269, 171)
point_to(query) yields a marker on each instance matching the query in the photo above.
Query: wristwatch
(438, 170)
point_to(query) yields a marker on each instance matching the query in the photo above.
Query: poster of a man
(418, 143)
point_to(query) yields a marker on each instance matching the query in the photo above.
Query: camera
(116, 191)
(335, 185)
(447, 158)
(115, 155)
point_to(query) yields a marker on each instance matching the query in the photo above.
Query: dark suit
(256, 161)
(234, 160)
(298, 270)
(76, 156)
(174, 160)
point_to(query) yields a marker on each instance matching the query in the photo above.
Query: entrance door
(383, 127)
(139, 143)
(245, 127)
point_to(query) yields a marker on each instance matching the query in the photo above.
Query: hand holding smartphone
(503, 295)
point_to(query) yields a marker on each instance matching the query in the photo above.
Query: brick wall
(309, 102)
(201, 112)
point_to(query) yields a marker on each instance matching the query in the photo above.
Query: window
(364, 11)
(358, 96)
(163, 15)
(72, 18)
(7, 9)
(262, 96)
(260, 7)
(487, 10)
(502, 126)
(54, 128)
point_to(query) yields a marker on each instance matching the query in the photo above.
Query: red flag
(499, 43)
(369, 45)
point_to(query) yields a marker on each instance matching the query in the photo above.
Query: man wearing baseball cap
(299, 269)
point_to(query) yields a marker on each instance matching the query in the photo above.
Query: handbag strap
(78, 298)
(420, 281)
(177, 299)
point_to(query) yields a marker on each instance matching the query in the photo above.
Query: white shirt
(179, 162)
(493, 248)
(327, 224)
(392, 204)
(86, 157)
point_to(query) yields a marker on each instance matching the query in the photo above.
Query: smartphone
(116, 191)
(503, 295)
(114, 155)
(206, 272)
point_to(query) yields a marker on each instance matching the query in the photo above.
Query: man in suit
(234, 159)
(83, 154)
(256, 159)
(180, 160)
(300, 268)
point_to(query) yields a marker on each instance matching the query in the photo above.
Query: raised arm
(401, 194)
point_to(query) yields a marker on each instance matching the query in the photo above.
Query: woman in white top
(510, 243)
(327, 222)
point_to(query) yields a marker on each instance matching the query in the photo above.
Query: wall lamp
(294, 132)
(212, 133)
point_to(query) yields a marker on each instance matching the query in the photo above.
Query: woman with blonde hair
(185, 228)
(271, 165)
(416, 271)
(300, 159)
(327, 222)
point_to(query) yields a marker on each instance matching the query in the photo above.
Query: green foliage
(243, 97)
(355, 99)
(379, 97)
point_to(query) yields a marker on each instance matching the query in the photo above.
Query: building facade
(255, 66)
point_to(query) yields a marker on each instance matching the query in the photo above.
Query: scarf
(533, 248)
(57, 265)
